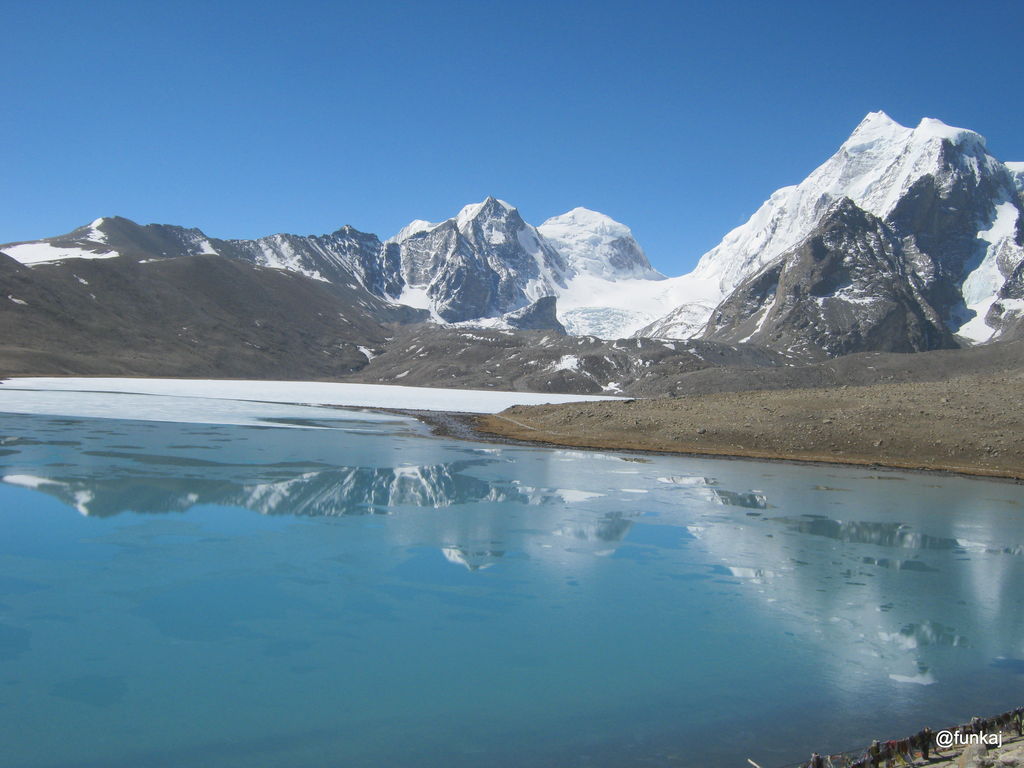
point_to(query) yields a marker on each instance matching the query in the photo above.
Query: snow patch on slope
(96, 234)
(612, 309)
(412, 228)
(566, 363)
(980, 287)
(206, 248)
(277, 253)
(46, 253)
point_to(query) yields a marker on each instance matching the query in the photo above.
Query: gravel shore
(970, 424)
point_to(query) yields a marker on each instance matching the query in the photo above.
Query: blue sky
(676, 118)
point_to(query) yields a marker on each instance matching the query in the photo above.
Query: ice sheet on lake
(186, 410)
(301, 393)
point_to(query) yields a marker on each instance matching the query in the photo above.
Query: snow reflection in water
(404, 600)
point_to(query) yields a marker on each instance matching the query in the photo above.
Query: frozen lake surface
(31, 394)
(318, 587)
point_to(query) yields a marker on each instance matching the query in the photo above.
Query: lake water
(343, 589)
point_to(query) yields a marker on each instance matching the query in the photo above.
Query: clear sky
(677, 118)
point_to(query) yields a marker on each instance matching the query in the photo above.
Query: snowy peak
(597, 245)
(953, 208)
(930, 129)
(414, 227)
(935, 177)
(876, 126)
(490, 208)
(487, 261)
(882, 159)
(100, 239)
(494, 222)
(481, 263)
(878, 130)
(584, 220)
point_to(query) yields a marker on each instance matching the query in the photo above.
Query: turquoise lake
(348, 590)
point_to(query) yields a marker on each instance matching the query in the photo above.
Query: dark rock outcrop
(539, 316)
(1007, 311)
(847, 288)
(543, 361)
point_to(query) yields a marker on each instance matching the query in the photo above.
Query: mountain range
(906, 239)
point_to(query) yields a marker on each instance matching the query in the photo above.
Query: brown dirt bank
(972, 424)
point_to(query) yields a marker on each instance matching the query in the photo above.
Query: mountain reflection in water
(882, 534)
(284, 491)
(572, 599)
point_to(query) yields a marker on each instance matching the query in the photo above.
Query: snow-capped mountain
(944, 225)
(956, 209)
(588, 261)
(608, 272)
(484, 262)
(345, 257)
(595, 245)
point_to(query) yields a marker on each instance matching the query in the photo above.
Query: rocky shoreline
(965, 425)
(981, 743)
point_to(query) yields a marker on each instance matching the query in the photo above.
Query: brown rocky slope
(967, 422)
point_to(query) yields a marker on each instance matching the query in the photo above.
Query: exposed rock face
(963, 225)
(846, 288)
(483, 263)
(543, 361)
(539, 316)
(1007, 311)
(344, 257)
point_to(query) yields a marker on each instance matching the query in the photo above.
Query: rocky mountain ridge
(484, 262)
(209, 316)
(906, 239)
(846, 288)
(958, 212)
(481, 264)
